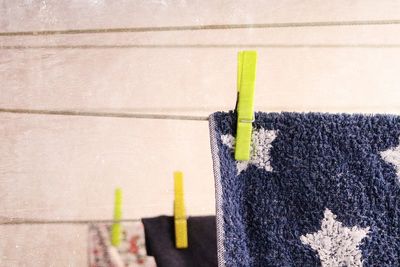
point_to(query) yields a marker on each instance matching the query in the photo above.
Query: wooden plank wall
(65, 168)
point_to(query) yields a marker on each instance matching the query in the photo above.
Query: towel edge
(218, 192)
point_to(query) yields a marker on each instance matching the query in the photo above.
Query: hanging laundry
(202, 249)
(318, 189)
(130, 253)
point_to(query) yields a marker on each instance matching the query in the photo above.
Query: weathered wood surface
(60, 167)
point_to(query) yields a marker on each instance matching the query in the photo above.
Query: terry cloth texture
(318, 190)
(160, 242)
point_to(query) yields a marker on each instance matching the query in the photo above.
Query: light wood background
(66, 168)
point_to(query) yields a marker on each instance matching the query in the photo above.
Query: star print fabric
(318, 190)
(130, 253)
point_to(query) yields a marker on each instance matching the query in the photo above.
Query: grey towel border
(218, 194)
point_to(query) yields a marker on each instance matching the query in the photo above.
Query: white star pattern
(393, 156)
(336, 245)
(259, 150)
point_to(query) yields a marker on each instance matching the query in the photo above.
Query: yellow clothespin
(246, 77)
(116, 227)
(181, 236)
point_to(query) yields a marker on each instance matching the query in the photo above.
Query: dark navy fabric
(319, 161)
(160, 242)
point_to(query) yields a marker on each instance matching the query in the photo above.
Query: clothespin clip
(116, 227)
(246, 75)
(180, 222)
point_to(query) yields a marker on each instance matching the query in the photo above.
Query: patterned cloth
(130, 253)
(318, 190)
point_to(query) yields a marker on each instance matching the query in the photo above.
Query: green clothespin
(116, 227)
(180, 221)
(247, 61)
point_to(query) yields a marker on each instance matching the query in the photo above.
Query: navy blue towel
(318, 190)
